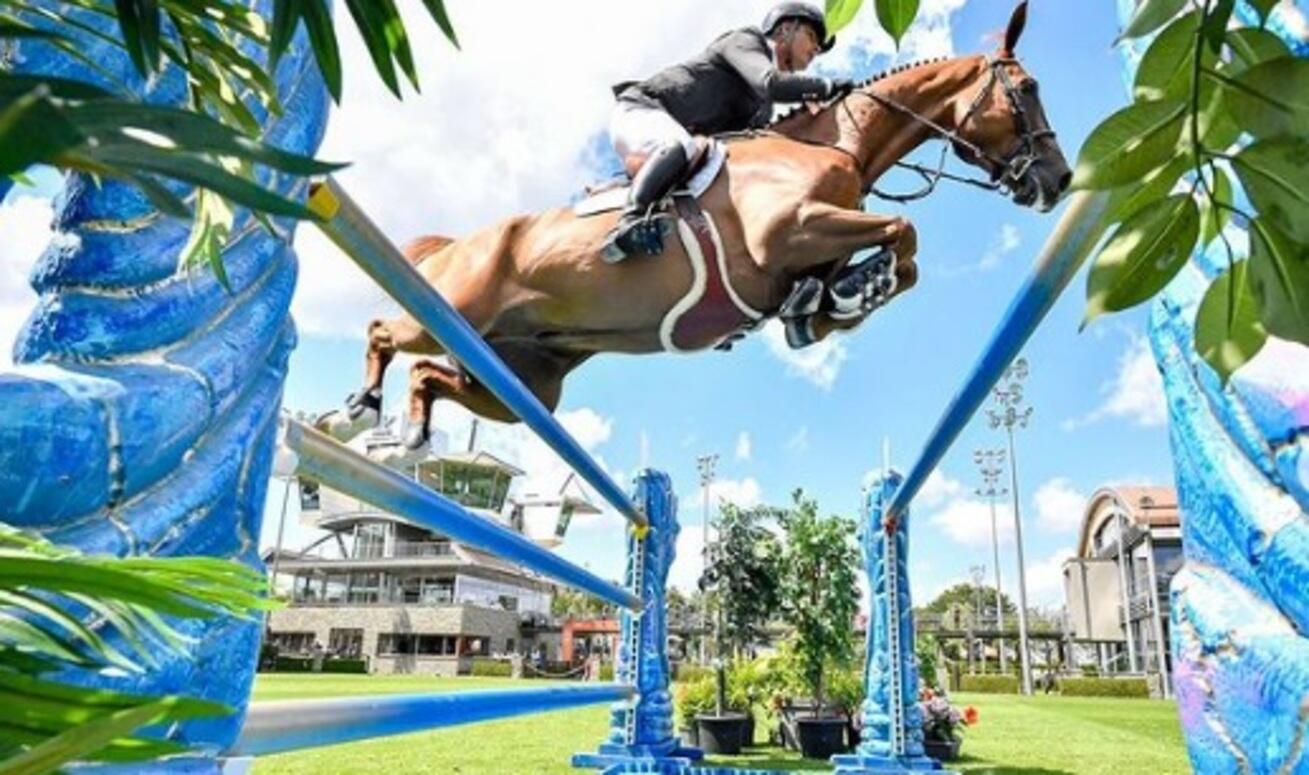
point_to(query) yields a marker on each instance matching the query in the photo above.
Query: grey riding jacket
(729, 86)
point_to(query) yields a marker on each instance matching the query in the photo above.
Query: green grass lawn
(1015, 736)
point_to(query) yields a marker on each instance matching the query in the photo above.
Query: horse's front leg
(841, 231)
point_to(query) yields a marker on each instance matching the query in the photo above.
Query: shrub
(694, 698)
(293, 664)
(491, 668)
(607, 671)
(989, 684)
(689, 671)
(345, 666)
(1104, 687)
(845, 689)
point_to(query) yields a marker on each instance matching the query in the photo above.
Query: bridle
(1006, 171)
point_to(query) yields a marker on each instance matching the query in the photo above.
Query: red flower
(970, 715)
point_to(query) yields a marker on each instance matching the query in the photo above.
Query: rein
(1006, 171)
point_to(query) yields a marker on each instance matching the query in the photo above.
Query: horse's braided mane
(867, 81)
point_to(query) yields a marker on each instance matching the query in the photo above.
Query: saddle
(611, 195)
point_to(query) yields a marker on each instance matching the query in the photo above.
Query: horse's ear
(1016, 23)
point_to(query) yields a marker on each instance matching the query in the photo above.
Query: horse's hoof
(415, 436)
(356, 404)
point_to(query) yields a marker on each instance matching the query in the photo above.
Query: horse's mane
(860, 85)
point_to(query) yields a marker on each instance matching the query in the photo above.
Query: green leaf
(286, 17)
(33, 131)
(1127, 199)
(139, 22)
(895, 16)
(1275, 174)
(1165, 69)
(1270, 99)
(437, 10)
(372, 30)
(1263, 8)
(1129, 144)
(318, 22)
(1251, 46)
(1151, 15)
(1228, 332)
(1214, 29)
(1142, 255)
(840, 13)
(1279, 274)
(1214, 218)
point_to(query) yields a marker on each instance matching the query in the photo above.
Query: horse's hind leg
(541, 371)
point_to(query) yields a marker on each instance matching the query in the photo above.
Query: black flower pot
(942, 750)
(721, 734)
(690, 735)
(821, 738)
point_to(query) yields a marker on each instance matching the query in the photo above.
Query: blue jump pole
(347, 225)
(323, 459)
(1062, 255)
(278, 727)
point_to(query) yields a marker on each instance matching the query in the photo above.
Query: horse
(784, 206)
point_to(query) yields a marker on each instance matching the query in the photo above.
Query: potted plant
(819, 601)
(845, 688)
(943, 725)
(691, 700)
(741, 580)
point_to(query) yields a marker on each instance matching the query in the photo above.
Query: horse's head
(1005, 131)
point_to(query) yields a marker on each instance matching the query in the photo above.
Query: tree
(742, 574)
(966, 595)
(819, 595)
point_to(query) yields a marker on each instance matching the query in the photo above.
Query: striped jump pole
(352, 231)
(325, 460)
(278, 727)
(1061, 256)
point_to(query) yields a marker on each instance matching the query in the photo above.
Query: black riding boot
(639, 230)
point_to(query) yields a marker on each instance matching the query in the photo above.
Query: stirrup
(642, 236)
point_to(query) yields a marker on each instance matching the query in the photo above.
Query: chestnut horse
(786, 206)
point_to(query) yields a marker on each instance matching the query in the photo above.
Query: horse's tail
(418, 250)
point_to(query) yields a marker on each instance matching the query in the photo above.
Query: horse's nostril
(1065, 179)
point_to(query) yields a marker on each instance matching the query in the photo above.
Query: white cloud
(938, 489)
(968, 522)
(743, 446)
(689, 562)
(1136, 393)
(1045, 580)
(25, 226)
(818, 363)
(1002, 244)
(741, 492)
(1059, 506)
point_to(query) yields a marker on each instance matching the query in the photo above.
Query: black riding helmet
(804, 12)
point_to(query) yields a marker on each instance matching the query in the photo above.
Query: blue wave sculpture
(140, 419)
(1240, 605)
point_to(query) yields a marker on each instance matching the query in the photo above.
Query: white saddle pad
(616, 198)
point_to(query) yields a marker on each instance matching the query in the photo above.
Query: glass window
(346, 642)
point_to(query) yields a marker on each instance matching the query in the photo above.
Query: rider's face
(804, 46)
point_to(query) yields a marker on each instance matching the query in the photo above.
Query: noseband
(1005, 171)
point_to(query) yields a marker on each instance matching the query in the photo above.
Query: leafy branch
(62, 611)
(1210, 100)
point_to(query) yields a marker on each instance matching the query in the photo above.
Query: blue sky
(511, 124)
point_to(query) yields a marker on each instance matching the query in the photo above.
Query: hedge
(1104, 687)
(606, 672)
(306, 665)
(989, 684)
(492, 668)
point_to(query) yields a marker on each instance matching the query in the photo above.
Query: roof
(479, 458)
(1150, 507)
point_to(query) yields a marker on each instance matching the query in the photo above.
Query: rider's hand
(840, 87)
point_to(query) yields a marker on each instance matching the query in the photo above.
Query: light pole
(978, 573)
(705, 465)
(1007, 413)
(990, 463)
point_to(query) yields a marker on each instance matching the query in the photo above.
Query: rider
(730, 86)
